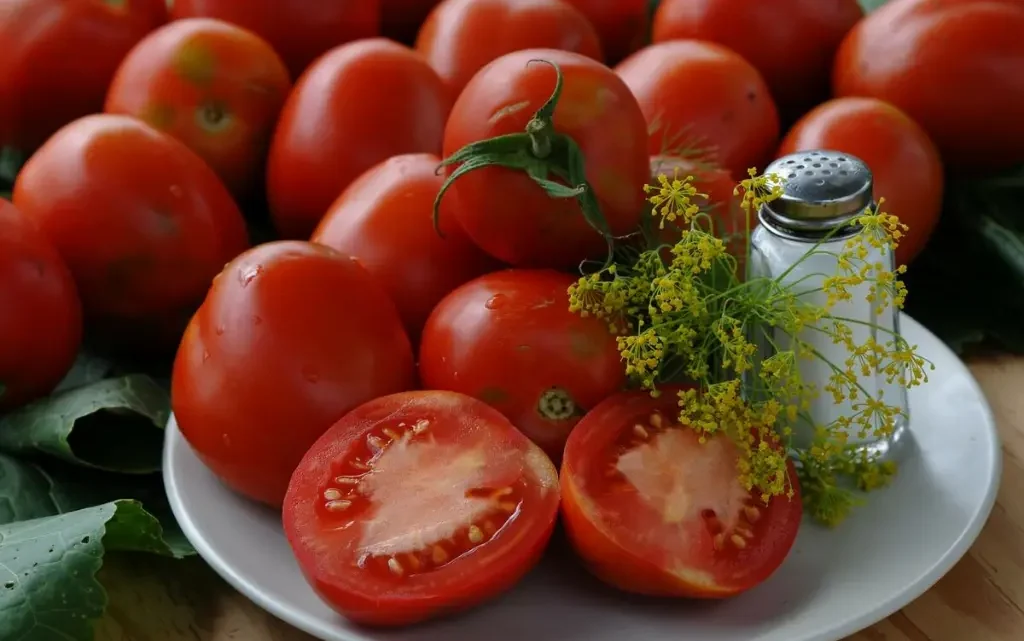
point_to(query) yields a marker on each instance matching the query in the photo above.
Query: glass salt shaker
(823, 193)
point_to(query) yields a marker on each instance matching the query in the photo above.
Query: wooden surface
(981, 599)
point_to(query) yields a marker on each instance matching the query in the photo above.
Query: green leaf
(87, 369)
(871, 5)
(115, 424)
(11, 161)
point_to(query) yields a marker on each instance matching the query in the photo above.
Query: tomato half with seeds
(216, 87)
(417, 505)
(508, 338)
(651, 510)
(500, 204)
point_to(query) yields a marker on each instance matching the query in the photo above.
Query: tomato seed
(738, 541)
(752, 513)
(395, 566)
(420, 426)
(414, 562)
(719, 541)
(390, 433)
(656, 421)
(375, 443)
(742, 531)
(438, 555)
(332, 494)
(346, 480)
(639, 430)
(475, 535)
(338, 506)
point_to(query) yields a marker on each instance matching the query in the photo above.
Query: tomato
(142, 222)
(450, 39)
(653, 511)
(956, 68)
(299, 30)
(401, 19)
(509, 339)
(419, 504)
(503, 209)
(361, 103)
(791, 42)
(701, 95)
(721, 204)
(59, 58)
(40, 314)
(291, 337)
(904, 161)
(384, 221)
(621, 24)
(216, 87)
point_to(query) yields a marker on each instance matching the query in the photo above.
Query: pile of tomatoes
(399, 371)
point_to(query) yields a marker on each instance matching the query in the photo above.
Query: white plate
(833, 584)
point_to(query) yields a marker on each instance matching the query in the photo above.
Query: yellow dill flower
(672, 200)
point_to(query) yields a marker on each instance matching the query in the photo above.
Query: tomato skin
(40, 314)
(142, 222)
(359, 104)
(326, 554)
(299, 30)
(690, 88)
(384, 220)
(503, 210)
(791, 42)
(904, 161)
(621, 24)
(291, 336)
(970, 109)
(450, 38)
(59, 58)
(508, 338)
(216, 87)
(611, 550)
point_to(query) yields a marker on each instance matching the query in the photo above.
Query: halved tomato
(653, 511)
(419, 504)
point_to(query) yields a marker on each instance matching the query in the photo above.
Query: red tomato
(384, 221)
(291, 337)
(716, 183)
(651, 510)
(450, 39)
(216, 87)
(419, 504)
(956, 68)
(40, 315)
(699, 94)
(791, 42)
(503, 210)
(299, 30)
(59, 57)
(142, 222)
(358, 105)
(509, 339)
(622, 24)
(401, 19)
(903, 159)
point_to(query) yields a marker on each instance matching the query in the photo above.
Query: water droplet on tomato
(206, 355)
(226, 439)
(249, 274)
(219, 330)
(495, 302)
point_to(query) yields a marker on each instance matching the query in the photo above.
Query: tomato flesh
(419, 504)
(652, 510)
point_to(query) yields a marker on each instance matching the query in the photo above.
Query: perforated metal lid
(822, 190)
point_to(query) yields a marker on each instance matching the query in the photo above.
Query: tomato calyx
(540, 151)
(556, 404)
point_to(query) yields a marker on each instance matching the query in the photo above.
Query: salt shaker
(824, 192)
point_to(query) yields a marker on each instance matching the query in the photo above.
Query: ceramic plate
(833, 584)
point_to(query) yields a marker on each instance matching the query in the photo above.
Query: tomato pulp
(651, 510)
(419, 504)
(291, 337)
(509, 339)
(502, 208)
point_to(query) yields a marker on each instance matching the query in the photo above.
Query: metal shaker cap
(822, 190)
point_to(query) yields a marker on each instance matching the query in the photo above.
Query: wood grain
(981, 599)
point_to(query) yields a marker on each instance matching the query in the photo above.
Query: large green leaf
(115, 424)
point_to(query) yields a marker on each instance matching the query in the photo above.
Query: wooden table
(981, 599)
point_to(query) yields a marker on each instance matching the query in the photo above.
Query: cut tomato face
(419, 504)
(651, 510)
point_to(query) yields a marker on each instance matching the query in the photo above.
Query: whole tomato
(904, 161)
(299, 30)
(216, 87)
(621, 24)
(703, 96)
(384, 221)
(450, 38)
(509, 339)
(359, 104)
(505, 113)
(291, 336)
(791, 42)
(142, 222)
(59, 57)
(955, 67)
(401, 19)
(40, 314)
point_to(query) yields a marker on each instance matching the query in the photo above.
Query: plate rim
(940, 567)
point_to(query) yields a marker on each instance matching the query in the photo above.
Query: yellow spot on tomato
(195, 63)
